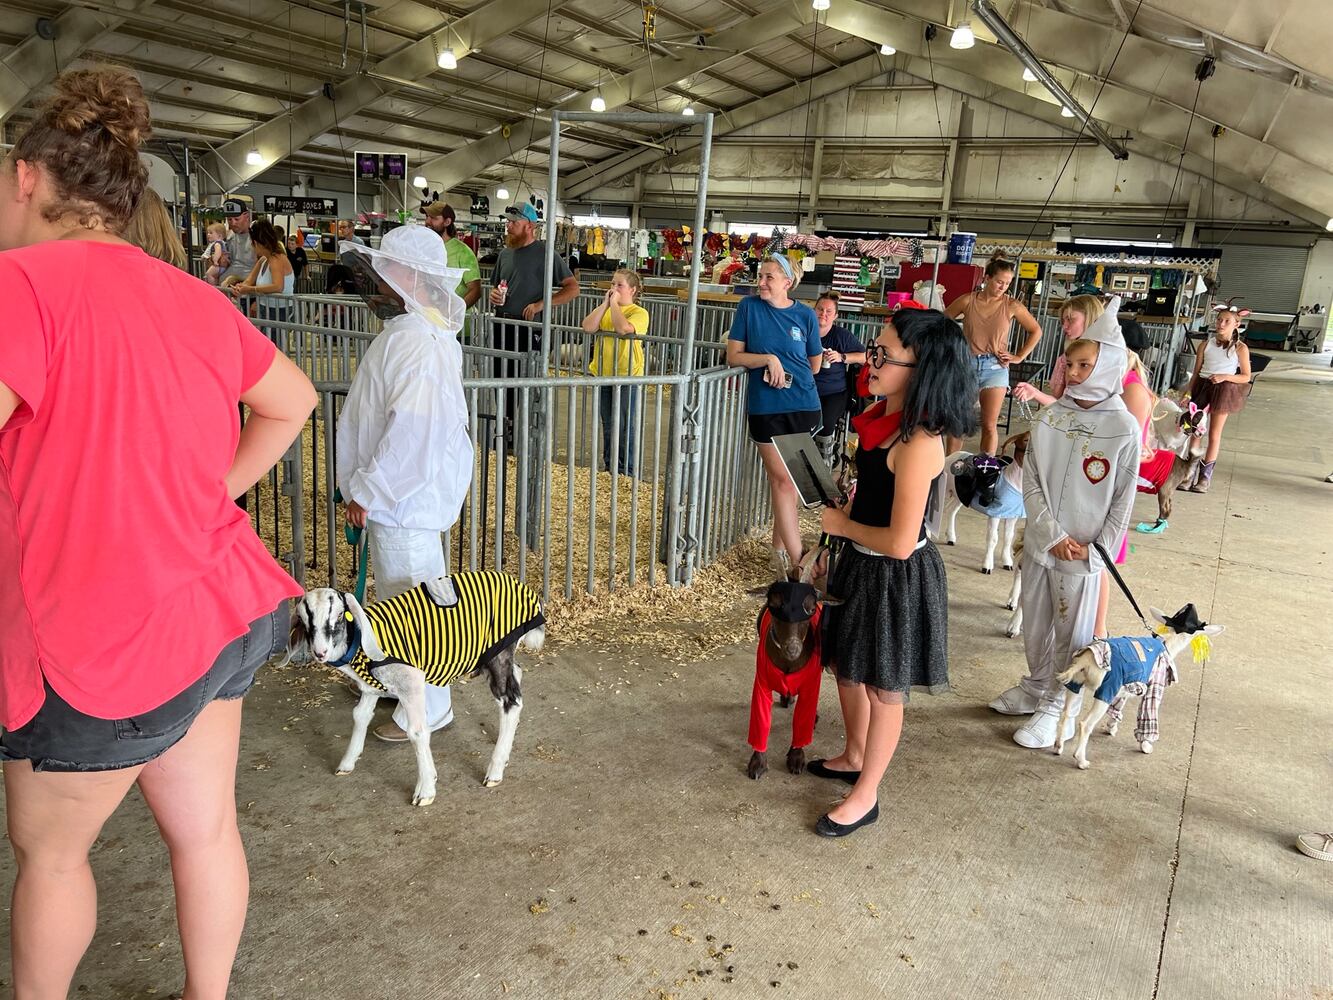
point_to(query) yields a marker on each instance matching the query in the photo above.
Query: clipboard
(808, 471)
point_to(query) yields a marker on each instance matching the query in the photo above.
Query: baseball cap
(233, 207)
(524, 211)
(439, 208)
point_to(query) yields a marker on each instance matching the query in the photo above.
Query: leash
(1124, 587)
(357, 538)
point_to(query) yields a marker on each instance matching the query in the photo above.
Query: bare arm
(592, 322)
(569, 289)
(619, 323)
(279, 404)
(739, 357)
(1029, 323)
(959, 306)
(1138, 401)
(915, 464)
(9, 402)
(816, 362)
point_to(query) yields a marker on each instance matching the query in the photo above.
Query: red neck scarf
(875, 426)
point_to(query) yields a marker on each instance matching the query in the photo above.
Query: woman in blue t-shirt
(840, 350)
(778, 340)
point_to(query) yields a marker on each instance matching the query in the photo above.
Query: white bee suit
(1079, 480)
(404, 452)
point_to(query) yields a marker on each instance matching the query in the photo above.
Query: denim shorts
(61, 738)
(989, 373)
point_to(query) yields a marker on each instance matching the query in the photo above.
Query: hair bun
(998, 255)
(108, 97)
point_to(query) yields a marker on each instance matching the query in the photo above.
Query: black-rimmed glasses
(878, 356)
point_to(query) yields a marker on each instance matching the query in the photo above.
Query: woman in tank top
(987, 315)
(889, 634)
(272, 275)
(1221, 382)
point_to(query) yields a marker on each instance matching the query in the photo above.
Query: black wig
(942, 393)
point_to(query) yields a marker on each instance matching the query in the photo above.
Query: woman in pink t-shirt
(137, 601)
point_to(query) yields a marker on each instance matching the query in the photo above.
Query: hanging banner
(292, 205)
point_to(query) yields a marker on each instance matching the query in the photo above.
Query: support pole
(817, 165)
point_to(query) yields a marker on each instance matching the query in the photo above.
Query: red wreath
(674, 246)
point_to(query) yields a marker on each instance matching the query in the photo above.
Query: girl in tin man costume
(1078, 489)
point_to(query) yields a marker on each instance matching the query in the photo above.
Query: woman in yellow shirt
(619, 354)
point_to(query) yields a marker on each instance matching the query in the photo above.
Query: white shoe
(1016, 701)
(1316, 845)
(1039, 731)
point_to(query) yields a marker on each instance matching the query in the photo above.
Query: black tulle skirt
(892, 631)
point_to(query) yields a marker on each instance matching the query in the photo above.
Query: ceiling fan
(648, 37)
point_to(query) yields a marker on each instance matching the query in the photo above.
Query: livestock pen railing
(543, 505)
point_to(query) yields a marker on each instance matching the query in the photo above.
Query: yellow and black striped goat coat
(493, 611)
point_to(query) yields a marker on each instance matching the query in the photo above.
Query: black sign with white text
(292, 205)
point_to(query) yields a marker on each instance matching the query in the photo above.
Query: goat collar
(353, 642)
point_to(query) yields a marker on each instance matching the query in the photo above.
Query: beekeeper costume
(1078, 482)
(404, 453)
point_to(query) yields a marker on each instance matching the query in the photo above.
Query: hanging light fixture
(1029, 76)
(820, 4)
(688, 111)
(447, 59)
(597, 103)
(253, 158)
(420, 181)
(1066, 111)
(886, 49)
(1329, 225)
(962, 37)
(502, 194)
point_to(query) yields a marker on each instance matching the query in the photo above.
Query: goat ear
(1211, 630)
(298, 639)
(353, 605)
(830, 602)
(758, 591)
(1157, 613)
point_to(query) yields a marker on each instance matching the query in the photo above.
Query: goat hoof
(1008, 567)
(422, 800)
(1145, 746)
(757, 767)
(1083, 765)
(1110, 730)
(341, 773)
(490, 782)
(796, 761)
(1059, 750)
(1010, 607)
(949, 542)
(1011, 635)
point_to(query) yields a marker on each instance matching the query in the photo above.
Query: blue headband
(781, 261)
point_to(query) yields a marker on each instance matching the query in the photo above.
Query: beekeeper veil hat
(408, 273)
(1108, 377)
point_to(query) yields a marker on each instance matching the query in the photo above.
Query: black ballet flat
(826, 827)
(819, 769)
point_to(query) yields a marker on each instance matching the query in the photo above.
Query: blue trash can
(961, 246)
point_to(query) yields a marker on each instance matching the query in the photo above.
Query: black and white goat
(990, 485)
(1118, 669)
(331, 627)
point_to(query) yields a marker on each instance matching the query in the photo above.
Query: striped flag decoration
(846, 271)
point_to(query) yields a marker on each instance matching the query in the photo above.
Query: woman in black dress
(890, 634)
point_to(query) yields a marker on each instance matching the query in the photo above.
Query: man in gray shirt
(240, 253)
(522, 266)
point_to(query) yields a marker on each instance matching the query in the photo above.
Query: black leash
(1124, 587)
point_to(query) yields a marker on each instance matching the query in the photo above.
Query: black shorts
(61, 738)
(764, 427)
(835, 409)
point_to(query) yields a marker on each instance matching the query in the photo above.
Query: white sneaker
(1316, 845)
(1016, 701)
(1039, 731)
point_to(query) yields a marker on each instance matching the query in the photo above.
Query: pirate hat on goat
(410, 265)
(1107, 378)
(1186, 621)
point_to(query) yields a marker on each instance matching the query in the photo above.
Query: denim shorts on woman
(989, 373)
(61, 738)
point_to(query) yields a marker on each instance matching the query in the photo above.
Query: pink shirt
(124, 566)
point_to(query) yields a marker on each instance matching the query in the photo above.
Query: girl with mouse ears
(890, 634)
(777, 339)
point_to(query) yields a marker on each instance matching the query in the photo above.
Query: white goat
(1118, 669)
(474, 621)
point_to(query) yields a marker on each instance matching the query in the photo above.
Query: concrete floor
(627, 855)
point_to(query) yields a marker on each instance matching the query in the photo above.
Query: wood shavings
(539, 907)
